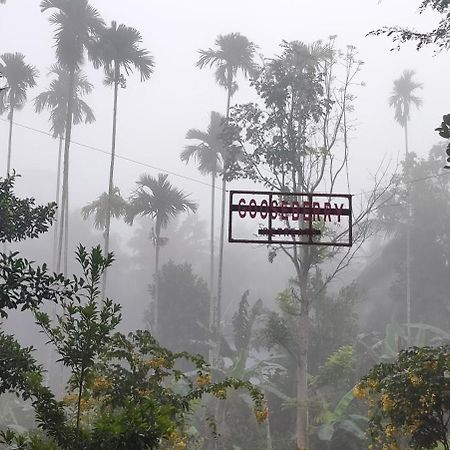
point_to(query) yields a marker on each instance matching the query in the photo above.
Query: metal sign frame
(311, 210)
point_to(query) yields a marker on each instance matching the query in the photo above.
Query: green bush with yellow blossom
(409, 400)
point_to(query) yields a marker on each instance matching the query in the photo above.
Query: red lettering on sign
(252, 211)
(327, 207)
(241, 203)
(316, 213)
(338, 211)
(283, 214)
(273, 208)
(264, 209)
(306, 210)
(295, 210)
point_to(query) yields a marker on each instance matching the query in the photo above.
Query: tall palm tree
(77, 24)
(160, 200)
(102, 206)
(401, 99)
(19, 77)
(208, 154)
(233, 53)
(55, 99)
(118, 51)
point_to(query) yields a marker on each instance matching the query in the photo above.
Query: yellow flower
(390, 430)
(415, 380)
(203, 379)
(262, 414)
(70, 399)
(386, 402)
(220, 393)
(360, 393)
(101, 384)
(155, 363)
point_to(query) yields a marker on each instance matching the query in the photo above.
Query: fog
(353, 307)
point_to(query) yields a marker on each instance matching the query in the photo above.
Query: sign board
(262, 217)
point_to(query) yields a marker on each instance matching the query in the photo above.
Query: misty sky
(154, 116)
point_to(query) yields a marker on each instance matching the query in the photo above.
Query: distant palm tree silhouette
(160, 200)
(19, 78)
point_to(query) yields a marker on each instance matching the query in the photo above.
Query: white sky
(154, 116)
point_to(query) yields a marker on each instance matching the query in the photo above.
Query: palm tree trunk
(408, 242)
(64, 226)
(11, 118)
(156, 304)
(211, 259)
(111, 173)
(222, 219)
(58, 203)
(221, 243)
(212, 301)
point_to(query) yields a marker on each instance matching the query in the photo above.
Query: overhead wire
(176, 174)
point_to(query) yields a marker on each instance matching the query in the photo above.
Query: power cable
(175, 174)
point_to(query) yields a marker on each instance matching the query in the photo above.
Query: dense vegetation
(335, 361)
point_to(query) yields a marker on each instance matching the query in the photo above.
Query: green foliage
(438, 36)
(20, 218)
(339, 367)
(183, 316)
(444, 131)
(409, 399)
(243, 321)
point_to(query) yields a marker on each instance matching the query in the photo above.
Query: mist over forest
(142, 145)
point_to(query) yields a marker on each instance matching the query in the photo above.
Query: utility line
(125, 158)
(175, 174)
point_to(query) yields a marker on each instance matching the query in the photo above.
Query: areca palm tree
(77, 24)
(233, 53)
(118, 51)
(163, 202)
(103, 206)
(208, 154)
(401, 100)
(55, 100)
(19, 78)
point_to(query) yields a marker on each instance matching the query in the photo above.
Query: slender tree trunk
(64, 226)
(111, 173)
(408, 241)
(302, 381)
(222, 219)
(156, 304)
(212, 294)
(80, 393)
(11, 119)
(58, 203)
(54, 252)
(211, 259)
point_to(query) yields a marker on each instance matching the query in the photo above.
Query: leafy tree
(438, 36)
(19, 77)
(430, 245)
(409, 401)
(117, 50)
(83, 331)
(291, 139)
(55, 99)
(159, 199)
(444, 131)
(183, 312)
(233, 53)
(76, 23)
